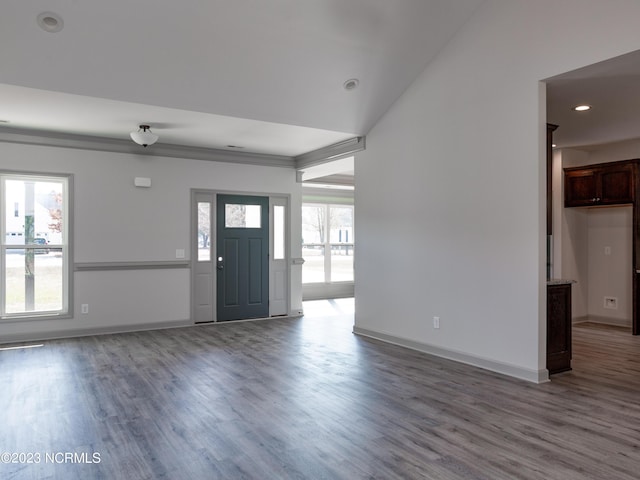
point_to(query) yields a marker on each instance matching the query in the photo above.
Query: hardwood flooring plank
(305, 398)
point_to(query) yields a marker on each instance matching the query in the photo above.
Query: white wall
(615, 151)
(117, 222)
(570, 234)
(451, 193)
(611, 274)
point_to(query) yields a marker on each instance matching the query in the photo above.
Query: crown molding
(330, 153)
(87, 142)
(335, 179)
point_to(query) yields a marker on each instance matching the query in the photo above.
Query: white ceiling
(265, 75)
(612, 88)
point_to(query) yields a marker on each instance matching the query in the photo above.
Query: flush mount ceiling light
(581, 108)
(144, 136)
(351, 84)
(50, 22)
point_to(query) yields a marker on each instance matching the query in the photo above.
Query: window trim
(67, 266)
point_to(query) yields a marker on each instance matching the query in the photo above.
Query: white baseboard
(618, 322)
(141, 327)
(87, 332)
(535, 376)
(582, 319)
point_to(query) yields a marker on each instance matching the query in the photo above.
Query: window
(327, 243)
(242, 216)
(278, 232)
(204, 231)
(341, 243)
(34, 260)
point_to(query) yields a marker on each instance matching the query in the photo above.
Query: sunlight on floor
(324, 308)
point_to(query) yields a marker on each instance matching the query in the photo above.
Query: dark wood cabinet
(558, 327)
(616, 184)
(602, 184)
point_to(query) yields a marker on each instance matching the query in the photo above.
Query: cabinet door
(616, 185)
(558, 328)
(580, 188)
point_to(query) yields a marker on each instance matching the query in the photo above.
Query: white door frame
(279, 199)
(279, 290)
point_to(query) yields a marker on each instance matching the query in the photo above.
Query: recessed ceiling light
(351, 84)
(50, 22)
(582, 108)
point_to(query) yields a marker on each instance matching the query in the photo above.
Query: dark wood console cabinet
(558, 327)
(602, 184)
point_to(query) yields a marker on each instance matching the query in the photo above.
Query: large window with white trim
(327, 243)
(34, 260)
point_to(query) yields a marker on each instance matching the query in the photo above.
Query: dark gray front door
(242, 257)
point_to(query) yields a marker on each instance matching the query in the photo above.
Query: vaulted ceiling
(263, 75)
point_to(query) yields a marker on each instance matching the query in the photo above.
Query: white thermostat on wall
(142, 182)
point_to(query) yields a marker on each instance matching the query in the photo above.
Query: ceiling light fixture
(50, 22)
(351, 84)
(581, 108)
(144, 136)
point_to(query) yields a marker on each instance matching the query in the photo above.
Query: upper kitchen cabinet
(601, 184)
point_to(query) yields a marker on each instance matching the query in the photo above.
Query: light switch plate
(143, 182)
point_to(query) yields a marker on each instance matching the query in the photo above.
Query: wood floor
(305, 398)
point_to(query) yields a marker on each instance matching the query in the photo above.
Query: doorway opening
(328, 233)
(597, 246)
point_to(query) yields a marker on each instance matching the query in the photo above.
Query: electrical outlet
(607, 250)
(84, 308)
(611, 303)
(436, 322)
